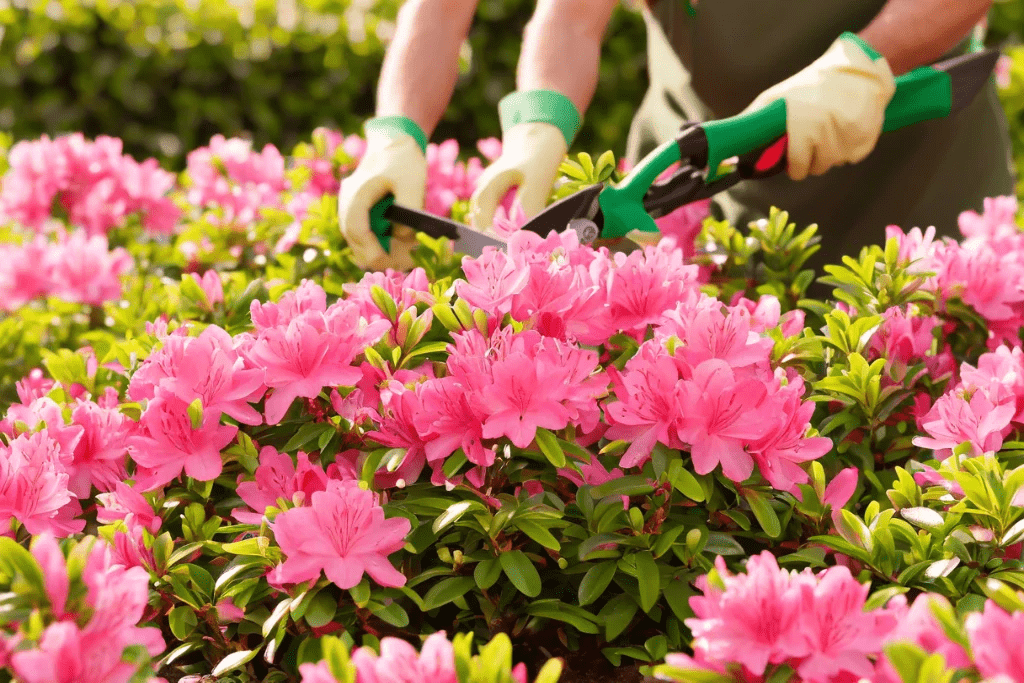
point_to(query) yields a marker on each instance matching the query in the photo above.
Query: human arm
(420, 67)
(414, 88)
(556, 79)
(913, 33)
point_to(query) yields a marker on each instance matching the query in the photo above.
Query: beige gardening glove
(835, 108)
(531, 153)
(394, 163)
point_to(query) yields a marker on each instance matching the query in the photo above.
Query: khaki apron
(713, 64)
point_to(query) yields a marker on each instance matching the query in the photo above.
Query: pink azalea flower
(313, 351)
(55, 572)
(230, 175)
(167, 443)
(278, 477)
(814, 623)
(396, 428)
(342, 533)
(27, 273)
(645, 284)
(100, 455)
(84, 271)
(34, 486)
(316, 673)
(448, 420)
(520, 400)
(646, 410)
(995, 642)
(212, 287)
(965, 417)
(399, 661)
(840, 635)
(125, 503)
(753, 619)
(406, 289)
(919, 626)
(721, 415)
(684, 224)
(491, 281)
(839, 491)
(208, 367)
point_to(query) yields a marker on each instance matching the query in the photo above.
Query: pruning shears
(757, 140)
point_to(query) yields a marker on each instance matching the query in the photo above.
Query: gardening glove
(394, 163)
(835, 108)
(537, 128)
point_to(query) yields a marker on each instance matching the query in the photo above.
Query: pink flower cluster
(230, 175)
(76, 268)
(815, 624)
(94, 182)
(300, 346)
(52, 463)
(993, 636)
(77, 647)
(705, 383)
(450, 180)
(399, 661)
(981, 409)
(985, 269)
(574, 292)
(746, 624)
(506, 385)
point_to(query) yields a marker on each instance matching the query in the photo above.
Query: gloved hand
(394, 163)
(835, 108)
(537, 128)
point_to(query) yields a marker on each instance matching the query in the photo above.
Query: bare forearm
(912, 33)
(562, 48)
(422, 63)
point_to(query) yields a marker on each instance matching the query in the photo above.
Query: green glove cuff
(545, 106)
(392, 126)
(863, 44)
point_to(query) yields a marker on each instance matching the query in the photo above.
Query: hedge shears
(756, 140)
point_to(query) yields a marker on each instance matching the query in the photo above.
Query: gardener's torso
(712, 62)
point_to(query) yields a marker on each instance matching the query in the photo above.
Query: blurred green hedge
(165, 75)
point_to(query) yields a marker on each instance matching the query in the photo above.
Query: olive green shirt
(713, 64)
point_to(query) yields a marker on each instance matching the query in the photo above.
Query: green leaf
(182, 620)
(633, 485)
(521, 572)
(275, 617)
(447, 590)
(596, 581)
(684, 481)
(233, 661)
(392, 613)
(307, 433)
(486, 573)
(580, 618)
(649, 577)
(677, 595)
(617, 615)
(548, 443)
(321, 609)
(538, 533)
(17, 561)
(764, 513)
(453, 513)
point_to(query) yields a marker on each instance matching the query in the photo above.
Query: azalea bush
(227, 451)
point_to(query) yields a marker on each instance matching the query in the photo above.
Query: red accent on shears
(772, 155)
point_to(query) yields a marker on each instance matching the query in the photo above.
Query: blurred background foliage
(166, 75)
